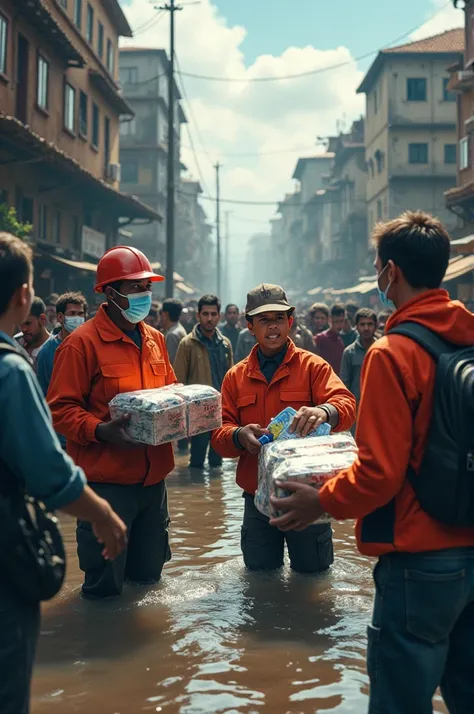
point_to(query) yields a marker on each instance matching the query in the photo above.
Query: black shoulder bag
(32, 555)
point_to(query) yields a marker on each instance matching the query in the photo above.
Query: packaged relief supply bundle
(312, 460)
(158, 416)
(203, 407)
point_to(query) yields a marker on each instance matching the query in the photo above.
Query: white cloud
(243, 117)
(446, 17)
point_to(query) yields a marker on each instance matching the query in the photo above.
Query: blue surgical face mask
(139, 306)
(386, 302)
(72, 323)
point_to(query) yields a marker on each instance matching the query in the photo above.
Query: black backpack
(444, 485)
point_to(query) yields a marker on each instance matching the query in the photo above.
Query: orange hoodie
(394, 416)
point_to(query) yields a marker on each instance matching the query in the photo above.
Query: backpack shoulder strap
(426, 338)
(7, 348)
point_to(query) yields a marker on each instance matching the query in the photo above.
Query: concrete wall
(427, 195)
(312, 177)
(436, 140)
(434, 109)
(50, 124)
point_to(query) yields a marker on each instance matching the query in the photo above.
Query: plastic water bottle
(266, 439)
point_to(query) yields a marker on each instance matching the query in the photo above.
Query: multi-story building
(144, 139)
(195, 254)
(60, 106)
(410, 128)
(460, 200)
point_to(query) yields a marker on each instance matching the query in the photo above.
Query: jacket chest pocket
(156, 375)
(119, 378)
(247, 406)
(296, 398)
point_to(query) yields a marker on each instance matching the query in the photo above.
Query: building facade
(144, 139)
(410, 129)
(60, 107)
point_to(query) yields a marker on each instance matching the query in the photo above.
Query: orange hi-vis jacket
(94, 364)
(302, 380)
(392, 429)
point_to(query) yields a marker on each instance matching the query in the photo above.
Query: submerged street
(210, 638)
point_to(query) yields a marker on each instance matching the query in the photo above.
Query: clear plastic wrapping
(313, 460)
(158, 416)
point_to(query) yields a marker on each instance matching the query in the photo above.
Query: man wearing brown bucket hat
(277, 375)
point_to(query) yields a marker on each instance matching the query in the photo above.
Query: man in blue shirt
(30, 452)
(71, 312)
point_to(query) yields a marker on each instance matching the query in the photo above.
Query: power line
(312, 72)
(258, 153)
(191, 114)
(152, 22)
(258, 203)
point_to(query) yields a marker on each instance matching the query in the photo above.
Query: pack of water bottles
(159, 416)
(312, 460)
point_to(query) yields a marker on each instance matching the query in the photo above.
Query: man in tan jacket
(204, 357)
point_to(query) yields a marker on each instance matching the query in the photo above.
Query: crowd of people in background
(340, 333)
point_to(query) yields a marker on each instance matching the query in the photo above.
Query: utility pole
(218, 228)
(227, 255)
(171, 187)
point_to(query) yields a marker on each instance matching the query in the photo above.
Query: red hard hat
(123, 263)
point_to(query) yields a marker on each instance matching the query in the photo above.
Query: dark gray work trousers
(144, 510)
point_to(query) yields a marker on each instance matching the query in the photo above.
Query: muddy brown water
(211, 638)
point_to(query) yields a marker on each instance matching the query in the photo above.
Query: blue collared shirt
(28, 444)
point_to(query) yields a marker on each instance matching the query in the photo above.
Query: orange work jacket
(94, 364)
(302, 380)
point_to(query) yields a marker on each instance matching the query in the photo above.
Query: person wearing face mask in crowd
(71, 313)
(116, 352)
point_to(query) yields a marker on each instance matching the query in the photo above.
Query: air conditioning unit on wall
(114, 172)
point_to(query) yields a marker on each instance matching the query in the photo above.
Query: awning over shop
(187, 289)
(462, 265)
(77, 264)
(315, 291)
(463, 246)
(360, 289)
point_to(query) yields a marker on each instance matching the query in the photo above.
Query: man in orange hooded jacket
(277, 375)
(116, 352)
(423, 621)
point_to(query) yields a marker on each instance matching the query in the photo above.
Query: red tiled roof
(449, 41)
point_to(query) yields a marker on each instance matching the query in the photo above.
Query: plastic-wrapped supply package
(313, 470)
(157, 416)
(203, 407)
(294, 459)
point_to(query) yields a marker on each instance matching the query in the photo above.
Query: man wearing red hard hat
(116, 352)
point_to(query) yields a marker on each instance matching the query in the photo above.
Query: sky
(276, 121)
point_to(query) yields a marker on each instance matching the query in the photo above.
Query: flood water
(211, 637)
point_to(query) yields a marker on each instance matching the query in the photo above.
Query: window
(128, 128)
(95, 126)
(447, 95)
(417, 153)
(379, 210)
(90, 24)
(110, 57)
(76, 234)
(78, 14)
(371, 168)
(100, 40)
(43, 222)
(130, 170)
(42, 87)
(464, 153)
(69, 107)
(3, 44)
(129, 75)
(106, 141)
(450, 154)
(376, 102)
(416, 89)
(380, 161)
(57, 226)
(83, 113)
(63, 4)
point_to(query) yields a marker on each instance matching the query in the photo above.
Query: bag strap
(7, 348)
(426, 338)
